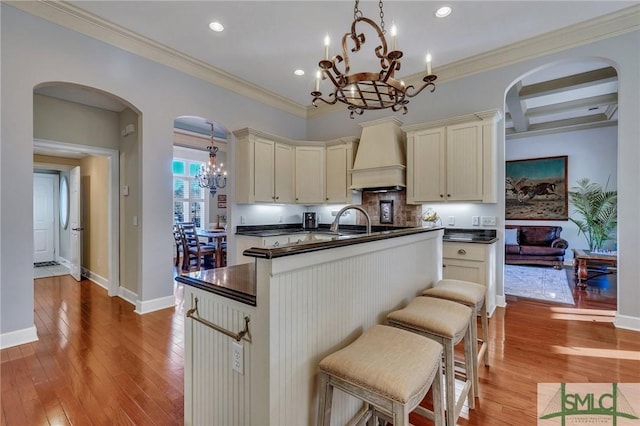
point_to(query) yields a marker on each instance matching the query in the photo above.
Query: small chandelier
(368, 90)
(211, 175)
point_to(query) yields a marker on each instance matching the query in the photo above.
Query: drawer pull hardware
(194, 315)
(462, 251)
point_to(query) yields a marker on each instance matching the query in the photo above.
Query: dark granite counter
(462, 235)
(237, 282)
(337, 241)
(287, 229)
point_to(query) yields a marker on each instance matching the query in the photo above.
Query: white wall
(591, 154)
(35, 51)
(486, 91)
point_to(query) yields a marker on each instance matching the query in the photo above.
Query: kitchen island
(311, 299)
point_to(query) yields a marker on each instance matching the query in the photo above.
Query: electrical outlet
(242, 220)
(452, 220)
(488, 220)
(475, 221)
(237, 357)
(280, 220)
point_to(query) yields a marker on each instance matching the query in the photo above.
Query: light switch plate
(452, 220)
(475, 221)
(488, 220)
(237, 357)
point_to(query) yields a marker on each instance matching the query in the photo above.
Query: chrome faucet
(334, 225)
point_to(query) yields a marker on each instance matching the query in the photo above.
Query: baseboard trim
(501, 301)
(101, 281)
(626, 322)
(18, 337)
(144, 307)
(127, 295)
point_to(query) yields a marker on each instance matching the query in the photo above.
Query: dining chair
(177, 238)
(195, 253)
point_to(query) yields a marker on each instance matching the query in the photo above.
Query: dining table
(219, 237)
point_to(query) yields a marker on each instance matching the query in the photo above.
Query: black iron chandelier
(212, 175)
(368, 90)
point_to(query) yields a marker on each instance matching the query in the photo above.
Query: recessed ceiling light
(216, 26)
(299, 72)
(443, 12)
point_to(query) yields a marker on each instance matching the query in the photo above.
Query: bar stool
(390, 370)
(474, 296)
(447, 323)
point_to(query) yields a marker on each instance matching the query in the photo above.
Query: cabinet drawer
(466, 251)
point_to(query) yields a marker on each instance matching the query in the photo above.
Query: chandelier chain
(381, 18)
(357, 13)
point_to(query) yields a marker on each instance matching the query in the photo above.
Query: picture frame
(536, 189)
(386, 211)
(222, 198)
(222, 204)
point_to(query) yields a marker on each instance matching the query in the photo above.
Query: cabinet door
(310, 166)
(337, 190)
(463, 270)
(464, 162)
(264, 158)
(284, 173)
(426, 166)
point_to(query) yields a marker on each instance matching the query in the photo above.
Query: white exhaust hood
(381, 157)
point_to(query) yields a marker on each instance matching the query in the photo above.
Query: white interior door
(44, 216)
(75, 249)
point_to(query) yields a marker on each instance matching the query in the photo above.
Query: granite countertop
(462, 235)
(237, 282)
(287, 229)
(337, 241)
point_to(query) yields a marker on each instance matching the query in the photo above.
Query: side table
(585, 261)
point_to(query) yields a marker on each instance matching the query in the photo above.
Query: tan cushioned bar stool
(474, 296)
(447, 323)
(391, 370)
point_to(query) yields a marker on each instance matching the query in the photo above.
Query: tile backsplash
(403, 214)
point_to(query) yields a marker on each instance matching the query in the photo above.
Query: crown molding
(611, 25)
(76, 19)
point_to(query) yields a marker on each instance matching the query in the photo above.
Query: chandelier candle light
(368, 90)
(211, 175)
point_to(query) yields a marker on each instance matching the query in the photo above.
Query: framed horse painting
(536, 189)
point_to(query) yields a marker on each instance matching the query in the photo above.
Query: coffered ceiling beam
(559, 126)
(578, 104)
(572, 82)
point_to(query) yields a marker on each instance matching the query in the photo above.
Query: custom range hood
(381, 158)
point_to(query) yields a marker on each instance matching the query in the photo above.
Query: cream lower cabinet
(453, 160)
(472, 262)
(244, 242)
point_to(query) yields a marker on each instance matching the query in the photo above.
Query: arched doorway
(561, 110)
(76, 125)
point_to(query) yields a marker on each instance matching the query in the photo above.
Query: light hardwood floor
(97, 362)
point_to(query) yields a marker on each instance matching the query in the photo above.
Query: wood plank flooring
(99, 363)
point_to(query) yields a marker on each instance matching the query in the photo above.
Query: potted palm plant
(598, 211)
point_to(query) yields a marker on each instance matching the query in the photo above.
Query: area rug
(539, 283)
(54, 269)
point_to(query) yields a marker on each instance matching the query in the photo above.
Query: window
(188, 198)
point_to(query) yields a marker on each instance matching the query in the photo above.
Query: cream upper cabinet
(271, 169)
(339, 160)
(284, 173)
(310, 165)
(453, 160)
(264, 166)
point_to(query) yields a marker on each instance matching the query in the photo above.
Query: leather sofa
(534, 245)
